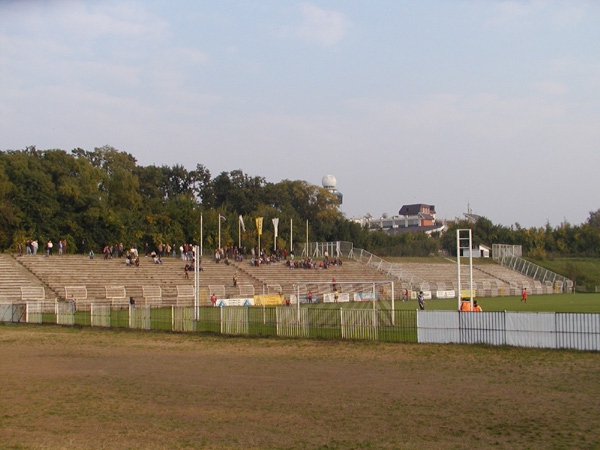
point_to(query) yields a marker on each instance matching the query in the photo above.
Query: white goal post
(343, 292)
(347, 291)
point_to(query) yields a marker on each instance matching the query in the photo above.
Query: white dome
(329, 182)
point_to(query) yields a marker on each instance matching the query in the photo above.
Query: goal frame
(336, 284)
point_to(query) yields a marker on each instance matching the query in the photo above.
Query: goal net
(342, 291)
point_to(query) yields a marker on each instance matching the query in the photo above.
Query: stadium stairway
(14, 276)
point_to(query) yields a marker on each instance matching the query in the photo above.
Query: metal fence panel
(324, 323)
(482, 328)
(403, 327)
(139, 317)
(209, 319)
(579, 331)
(440, 327)
(292, 322)
(182, 318)
(531, 329)
(65, 313)
(359, 324)
(18, 313)
(35, 312)
(262, 320)
(234, 320)
(6, 312)
(100, 315)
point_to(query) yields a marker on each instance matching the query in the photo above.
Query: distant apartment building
(411, 218)
(418, 215)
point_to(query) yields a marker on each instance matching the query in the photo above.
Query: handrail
(534, 271)
(347, 250)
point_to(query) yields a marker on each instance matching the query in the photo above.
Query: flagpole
(201, 238)
(307, 238)
(291, 235)
(275, 221)
(259, 225)
(196, 283)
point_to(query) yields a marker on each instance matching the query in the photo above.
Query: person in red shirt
(524, 295)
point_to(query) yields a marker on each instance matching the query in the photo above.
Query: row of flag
(259, 223)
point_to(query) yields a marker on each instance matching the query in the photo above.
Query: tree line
(564, 240)
(103, 197)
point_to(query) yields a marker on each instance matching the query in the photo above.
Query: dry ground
(85, 388)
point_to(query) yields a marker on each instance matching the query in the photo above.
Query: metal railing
(538, 273)
(347, 250)
(511, 257)
(522, 329)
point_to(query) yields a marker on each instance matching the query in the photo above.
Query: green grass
(585, 272)
(324, 318)
(589, 303)
(578, 302)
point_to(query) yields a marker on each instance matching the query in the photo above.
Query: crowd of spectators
(309, 263)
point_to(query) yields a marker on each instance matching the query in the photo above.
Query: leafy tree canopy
(103, 197)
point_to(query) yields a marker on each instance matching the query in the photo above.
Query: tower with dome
(329, 182)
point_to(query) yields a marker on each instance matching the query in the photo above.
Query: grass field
(535, 303)
(585, 272)
(83, 388)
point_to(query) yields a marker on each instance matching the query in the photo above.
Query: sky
(487, 105)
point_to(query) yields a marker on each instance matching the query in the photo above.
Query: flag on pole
(221, 216)
(242, 223)
(275, 224)
(259, 223)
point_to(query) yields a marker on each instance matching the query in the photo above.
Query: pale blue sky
(495, 104)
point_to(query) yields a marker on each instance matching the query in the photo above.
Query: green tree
(8, 219)
(594, 219)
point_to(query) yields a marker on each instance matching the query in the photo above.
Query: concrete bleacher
(280, 278)
(13, 277)
(512, 281)
(489, 280)
(111, 281)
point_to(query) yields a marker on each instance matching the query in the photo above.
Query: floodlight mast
(464, 243)
(196, 283)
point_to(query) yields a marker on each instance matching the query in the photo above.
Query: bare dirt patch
(97, 389)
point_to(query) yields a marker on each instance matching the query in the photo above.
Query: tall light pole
(307, 238)
(201, 237)
(221, 216)
(196, 284)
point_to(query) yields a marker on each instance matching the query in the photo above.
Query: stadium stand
(86, 281)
